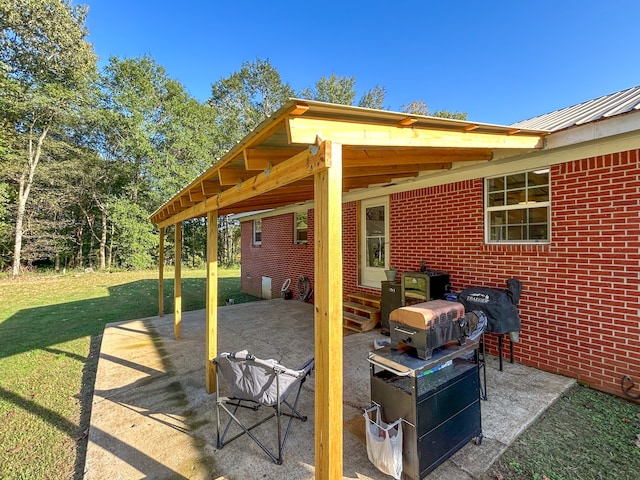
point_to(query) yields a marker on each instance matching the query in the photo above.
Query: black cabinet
(439, 399)
(391, 299)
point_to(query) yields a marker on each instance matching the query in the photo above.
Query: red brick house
(564, 219)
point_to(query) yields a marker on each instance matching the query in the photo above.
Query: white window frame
(525, 205)
(296, 240)
(257, 229)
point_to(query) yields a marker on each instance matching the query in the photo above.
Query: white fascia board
(601, 129)
(298, 207)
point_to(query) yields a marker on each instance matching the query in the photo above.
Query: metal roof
(590, 111)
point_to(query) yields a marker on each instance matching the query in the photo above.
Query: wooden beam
(364, 182)
(328, 317)
(300, 109)
(408, 121)
(262, 158)
(302, 130)
(254, 138)
(232, 176)
(177, 287)
(196, 195)
(211, 343)
(185, 201)
(375, 160)
(210, 187)
(298, 167)
(259, 204)
(161, 274)
(394, 170)
(411, 157)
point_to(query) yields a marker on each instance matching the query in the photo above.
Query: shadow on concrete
(44, 327)
(150, 395)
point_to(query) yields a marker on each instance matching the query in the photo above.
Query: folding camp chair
(255, 383)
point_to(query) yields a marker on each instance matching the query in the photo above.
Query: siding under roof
(592, 110)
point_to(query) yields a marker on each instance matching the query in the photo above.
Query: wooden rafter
(210, 187)
(232, 176)
(396, 170)
(185, 201)
(408, 121)
(364, 182)
(299, 109)
(262, 158)
(379, 158)
(196, 195)
(293, 170)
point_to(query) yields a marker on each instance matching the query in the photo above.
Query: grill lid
(428, 314)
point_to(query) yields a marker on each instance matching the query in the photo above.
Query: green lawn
(585, 435)
(50, 331)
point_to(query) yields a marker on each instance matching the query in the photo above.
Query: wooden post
(161, 275)
(177, 288)
(328, 315)
(212, 299)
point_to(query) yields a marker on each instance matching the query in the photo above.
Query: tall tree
(45, 58)
(373, 98)
(155, 138)
(246, 98)
(159, 136)
(333, 89)
(419, 107)
(341, 90)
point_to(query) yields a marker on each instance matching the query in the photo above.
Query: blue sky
(499, 61)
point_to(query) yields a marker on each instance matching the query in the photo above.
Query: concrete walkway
(151, 416)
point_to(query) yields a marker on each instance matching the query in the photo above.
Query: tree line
(88, 153)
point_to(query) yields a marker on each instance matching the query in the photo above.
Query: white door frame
(372, 276)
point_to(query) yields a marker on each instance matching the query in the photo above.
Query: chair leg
(247, 430)
(294, 414)
(278, 413)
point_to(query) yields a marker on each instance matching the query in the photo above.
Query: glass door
(374, 245)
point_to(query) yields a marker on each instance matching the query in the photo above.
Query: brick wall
(579, 305)
(277, 257)
(580, 302)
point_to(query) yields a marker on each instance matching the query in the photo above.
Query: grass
(50, 331)
(586, 435)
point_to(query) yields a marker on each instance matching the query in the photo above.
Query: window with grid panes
(301, 227)
(257, 232)
(518, 207)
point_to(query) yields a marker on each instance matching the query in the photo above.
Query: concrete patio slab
(152, 418)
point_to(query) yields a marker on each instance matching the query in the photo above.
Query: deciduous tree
(341, 90)
(246, 98)
(47, 61)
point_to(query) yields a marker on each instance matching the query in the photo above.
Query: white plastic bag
(384, 443)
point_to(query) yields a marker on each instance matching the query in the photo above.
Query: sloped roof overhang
(273, 166)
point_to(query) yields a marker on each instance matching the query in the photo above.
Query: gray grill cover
(250, 378)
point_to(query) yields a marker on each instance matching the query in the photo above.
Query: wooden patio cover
(318, 151)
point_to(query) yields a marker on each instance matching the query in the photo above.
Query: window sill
(517, 247)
